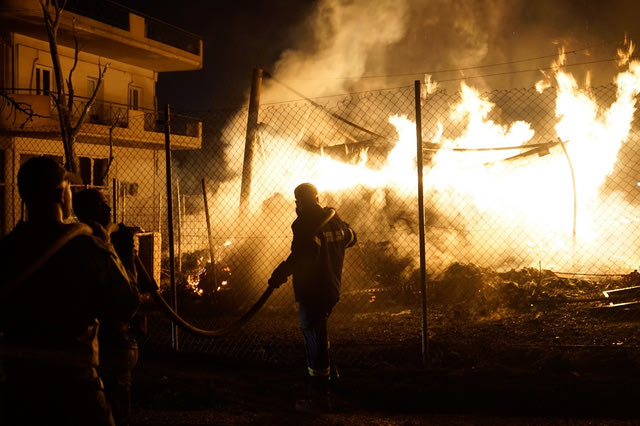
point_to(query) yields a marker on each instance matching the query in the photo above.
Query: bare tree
(63, 96)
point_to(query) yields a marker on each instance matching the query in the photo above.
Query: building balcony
(110, 30)
(105, 122)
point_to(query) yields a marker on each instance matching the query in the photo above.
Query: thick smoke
(339, 41)
(358, 45)
(349, 46)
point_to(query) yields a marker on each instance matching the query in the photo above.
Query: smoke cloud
(349, 46)
(345, 46)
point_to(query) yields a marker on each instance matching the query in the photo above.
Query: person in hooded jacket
(316, 260)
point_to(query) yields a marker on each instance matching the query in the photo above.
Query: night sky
(327, 47)
(238, 36)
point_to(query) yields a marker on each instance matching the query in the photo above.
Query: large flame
(551, 204)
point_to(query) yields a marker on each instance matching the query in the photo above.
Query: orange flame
(489, 197)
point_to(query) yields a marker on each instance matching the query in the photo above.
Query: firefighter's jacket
(115, 336)
(52, 315)
(320, 238)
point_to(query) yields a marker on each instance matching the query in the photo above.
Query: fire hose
(82, 229)
(178, 320)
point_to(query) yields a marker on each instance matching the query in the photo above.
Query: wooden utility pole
(252, 130)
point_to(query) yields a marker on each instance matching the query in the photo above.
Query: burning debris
(510, 182)
(203, 280)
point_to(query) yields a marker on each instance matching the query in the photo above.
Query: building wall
(30, 52)
(135, 182)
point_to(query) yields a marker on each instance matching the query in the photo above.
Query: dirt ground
(522, 351)
(177, 389)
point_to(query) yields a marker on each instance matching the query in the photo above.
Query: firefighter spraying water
(62, 284)
(320, 238)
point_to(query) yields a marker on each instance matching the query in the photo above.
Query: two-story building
(121, 144)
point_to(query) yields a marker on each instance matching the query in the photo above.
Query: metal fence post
(172, 269)
(423, 274)
(114, 204)
(211, 245)
(179, 206)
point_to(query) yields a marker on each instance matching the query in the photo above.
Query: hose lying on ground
(178, 320)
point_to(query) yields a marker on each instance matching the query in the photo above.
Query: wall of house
(30, 52)
(135, 169)
(138, 168)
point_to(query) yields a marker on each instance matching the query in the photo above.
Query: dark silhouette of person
(118, 344)
(58, 284)
(320, 238)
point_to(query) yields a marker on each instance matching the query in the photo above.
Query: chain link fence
(530, 215)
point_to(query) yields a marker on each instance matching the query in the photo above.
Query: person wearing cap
(58, 284)
(117, 338)
(320, 238)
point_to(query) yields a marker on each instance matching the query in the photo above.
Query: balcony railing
(119, 115)
(105, 113)
(111, 114)
(117, 15)
(102, 11)
(180, 124)
(173, 36)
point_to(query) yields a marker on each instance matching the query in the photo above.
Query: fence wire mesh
(530, 215)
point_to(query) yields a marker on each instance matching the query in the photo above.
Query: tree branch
(51, 24)
(18, 107)
(64, 112)
(89, 104)
(73, 67)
